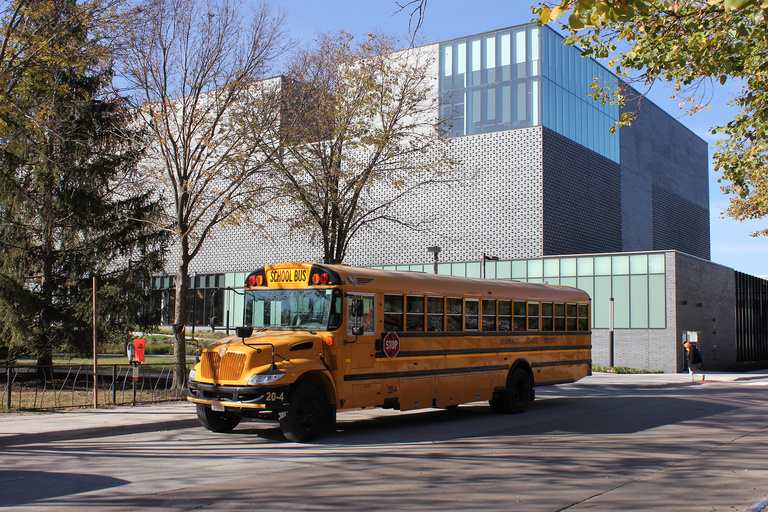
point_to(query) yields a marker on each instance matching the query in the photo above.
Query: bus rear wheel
(307, 413)
(516, 397)
(216, 421)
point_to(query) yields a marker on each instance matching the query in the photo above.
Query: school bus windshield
(316, 309)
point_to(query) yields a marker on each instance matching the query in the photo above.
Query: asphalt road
(609, 442)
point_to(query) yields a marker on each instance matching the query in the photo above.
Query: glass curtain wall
(569, 109)
(491, 82)
(637, 283)
(520, 77)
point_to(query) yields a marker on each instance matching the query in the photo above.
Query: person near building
(695, 361)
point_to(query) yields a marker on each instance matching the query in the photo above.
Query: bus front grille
(229, 367)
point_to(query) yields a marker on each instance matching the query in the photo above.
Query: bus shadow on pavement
(548, 416)
(17, 483)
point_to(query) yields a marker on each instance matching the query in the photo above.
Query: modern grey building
(544, 177)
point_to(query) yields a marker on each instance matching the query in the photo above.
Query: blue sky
(447, 19)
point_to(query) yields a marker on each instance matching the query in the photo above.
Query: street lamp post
(435, 250)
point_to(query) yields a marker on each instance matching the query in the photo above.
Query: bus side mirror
(357, 307)
(243, 332)
(358, 331)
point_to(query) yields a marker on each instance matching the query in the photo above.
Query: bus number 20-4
(274, 397)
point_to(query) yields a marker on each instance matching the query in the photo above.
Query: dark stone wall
(581, 199)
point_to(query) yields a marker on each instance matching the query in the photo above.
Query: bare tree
(189, 64)
(358, 131)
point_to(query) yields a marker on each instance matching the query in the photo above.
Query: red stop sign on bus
(391, 344)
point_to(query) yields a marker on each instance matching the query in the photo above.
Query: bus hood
(235, 360)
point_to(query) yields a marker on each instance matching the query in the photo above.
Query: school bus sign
(288, 276)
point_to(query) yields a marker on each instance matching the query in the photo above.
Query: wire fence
(29, 387)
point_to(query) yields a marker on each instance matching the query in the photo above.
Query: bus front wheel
(216, 421)
(516, 397)
(307, 412)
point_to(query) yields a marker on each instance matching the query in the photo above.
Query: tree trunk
(180, 319)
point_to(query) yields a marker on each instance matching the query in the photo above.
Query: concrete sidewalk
(36, 427)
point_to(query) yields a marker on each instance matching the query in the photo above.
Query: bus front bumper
(246, 397)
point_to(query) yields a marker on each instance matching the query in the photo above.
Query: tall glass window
(490, 82)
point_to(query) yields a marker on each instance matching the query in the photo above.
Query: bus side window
(571, 317)
(546, 316)
(505, 315)
(559, 317)
(435, 310)
(583, 317)
(414, 318)
(489, 315)
(471, 314)
(368, 318)
(393, 313)
(520, 316)
(533, 316)
(453, 316)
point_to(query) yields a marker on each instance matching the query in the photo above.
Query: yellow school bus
(320, 338)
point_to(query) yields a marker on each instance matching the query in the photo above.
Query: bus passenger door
(360, 351)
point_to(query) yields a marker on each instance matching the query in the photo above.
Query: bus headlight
(192, 374)
(264, 378)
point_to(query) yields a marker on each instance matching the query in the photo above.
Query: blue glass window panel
(474, 111)
(474, 64)
(504, 102)
(620, 265)
(522, 103)
(490, 269)
(621, 302)
(535, 107)
(638, 264)
(601, 301)
(489, 59)
(535, 280)
(504, 270)
(460, 66)
(638, 311)
(588, 285)
(473, 269)
(534, 51)
(459, 269)
(518, 54)
(657, 309)
(566, 281)
(568, 267)
(656, 264)
(504, 55)
(446, 68)
(551, 267)
(535, 268)
(519, 270)
(443, 269)
(489, 108)
(603, 266)
(585, 266)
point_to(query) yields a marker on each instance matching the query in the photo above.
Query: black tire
(307, 413)
(519, 390)
(216, 421)
(517, 395)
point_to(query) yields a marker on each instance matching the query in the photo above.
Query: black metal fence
(29, 387)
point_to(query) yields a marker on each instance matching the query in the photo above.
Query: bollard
(8, 388)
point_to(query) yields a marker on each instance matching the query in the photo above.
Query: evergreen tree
(66, 151)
